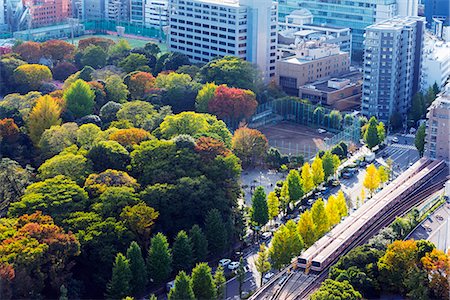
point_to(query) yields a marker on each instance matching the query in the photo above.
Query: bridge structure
(307, 271)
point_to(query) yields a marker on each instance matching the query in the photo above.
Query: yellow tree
(341, 204)
(320, 218)
(332, 211)
(284, 197)
(372, 179)
(437, 265)
(383, 173)
(363, 195)
(317, 171)
(307, 179)
(306, 228)
(273, 204)
(44, 115)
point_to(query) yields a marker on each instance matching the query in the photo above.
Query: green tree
(182, 288)
(381, 132)
(328, 164)
(284, 196)
(294, 184)
(419, 140)
(79, 98)
(215, 232)
(88, 135)
(307, 178)
(73, 166)
(306, 228)
(371, 134)
(114, 199)
(317, 171)
(159, 259)
(205, 94)
(138, 269)
(94, 56)
(383, 173)
(260, 211)
(30, 77)
(199, 244)
(182, 252)
(320, 218)
(203, 282)
(240, 274)
(286, 244)
(119, 286)
(116, 90)
(262, 262)
(336, 290)
(273, 204)
(109, 155)
(220, 282)
(133, 62)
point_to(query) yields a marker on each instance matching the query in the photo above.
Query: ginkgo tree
(372, 179)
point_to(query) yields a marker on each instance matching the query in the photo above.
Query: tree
(284, 196)
(273, 204)
(199, 244)
(419, 140)
(140, 219)
(220, 282)
(320, 218)
(159, 259)
(114, 199)
(179, 90)
(306, 228)
(260, 211)
(204, 96)
(119, 50)
(130, 137)
(133, 62)
(31, 76)
(44, 115)
(317, 171)
(383, 174)
(418, 107)
(328, 164)
(203, 283)
(140, 84)
(437, 266)
(332, 211)
(116, 90)
(170, 62)
(240, 274)
(139, 113)
(182, 288)
(30, 51)
(104, 43)
(88, 135)
(307, 178)
(138, 270)
(294, 186)
(79, 99)
(94, 56)
(73, 166)
(262, 262)
(372, 179)
(371, 134)
(250, 145)
(286, 244)
(381, 132)
(341, 204)
(215, 232)
(109, 155)
(58, 50)
(336, 290)
(119, 286)
(182, 252)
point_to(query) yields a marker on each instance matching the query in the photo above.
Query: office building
(299, 27)
(117, 10)
(436, 62)
(137, 12)
(437, 10)
(91, 9)
(356, 14)
(312, 61)
(343, 93)
(156, 13)
(204, 29)
(392, 66)
(437, 141)
(48, 12)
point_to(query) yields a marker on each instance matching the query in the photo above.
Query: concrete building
(356, 14)
(137, 12)
(204, 29)
(156, 13)
(437, 144)
(93, 9)
(312, 61)
(392, 66)
(343, 93)
(117, 10)
(299, 27)
(436, 62)
(48, 12)
(437, 10)
(3, 23)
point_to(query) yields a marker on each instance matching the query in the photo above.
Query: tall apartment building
(437, 141)
(156, 13)
(117, 10)
(392, 66)
(92, 9)
(356, 14)
(137, 12)
(48, 12)
(204, 29)
(436, 62)
(439, 10)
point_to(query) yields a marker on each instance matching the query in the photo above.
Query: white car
(266, 235)
(320, 130)
(267, 276)
(233, 265)
(224, 262)
(395, 139)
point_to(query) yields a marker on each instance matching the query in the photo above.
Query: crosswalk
(401, 154)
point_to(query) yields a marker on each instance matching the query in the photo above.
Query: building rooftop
(395, 23)
(323, 85)
(436, 49)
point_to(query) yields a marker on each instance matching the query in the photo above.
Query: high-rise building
(356, 14)
(436, 62)
(437, 141)
(392, 66)
(3, 22)
(137, 12)
(439, 10)
(48, 12)
(204, 29)
(156, 13)
(117, 10)
(92, 9)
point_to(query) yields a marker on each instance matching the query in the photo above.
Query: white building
(2, 14)
(156, 13)
(204, 29)
(436, 62)
(407, 8)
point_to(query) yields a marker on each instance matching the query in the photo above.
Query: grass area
(134, 42)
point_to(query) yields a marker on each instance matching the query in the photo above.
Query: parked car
(224, 262)
(267, 276)
(395, 139)
(347, 175)
(335, 183)
(266, 235)
(320, 130)
(233, 265)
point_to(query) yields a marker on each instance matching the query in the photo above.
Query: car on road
(320, 130)
(347, 175)
(266, 235)
(224, 262)
(395, 139)
(233, 265)
(335, 183)
(311, 201)
(267, 276)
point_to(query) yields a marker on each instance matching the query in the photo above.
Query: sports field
(292, 138)
(134, 42)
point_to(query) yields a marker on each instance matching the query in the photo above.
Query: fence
(103, 26)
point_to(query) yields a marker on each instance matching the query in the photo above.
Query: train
(320, 255)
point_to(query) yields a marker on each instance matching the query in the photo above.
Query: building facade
(48, 12)
(117, 10)
(437, 140)
(205, 29)
(356, 14)
(313, 61)
(436, 62)
(137, 12)
(156, 13)
(439, 10)
(392, 67)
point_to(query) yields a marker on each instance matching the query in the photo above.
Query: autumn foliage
(29, 51)
(130, 136)
(96, 41)
(140, 84)
(233, 103)
(58, 50)
(209, 148)
(32, 76)
(250, 145)
(44, 115)
(8, 130)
